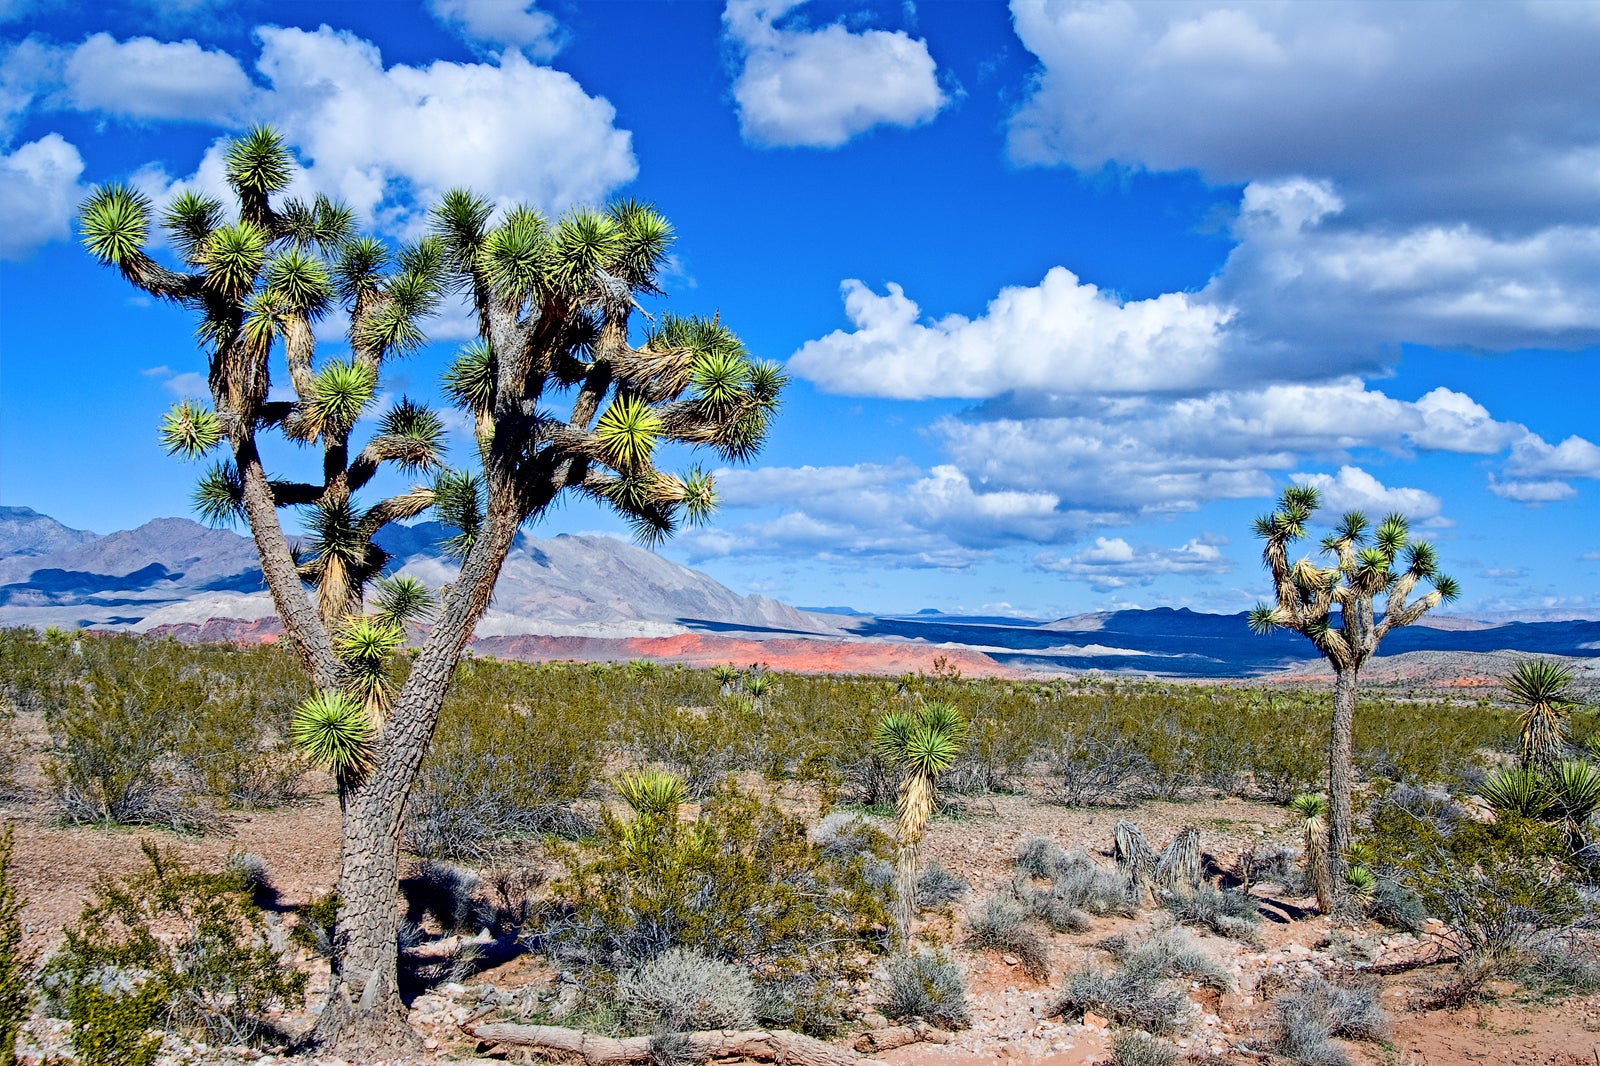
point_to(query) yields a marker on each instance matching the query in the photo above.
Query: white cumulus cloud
(399, 136)
(504, 22)
(1353, 489)
(1113, 563)
(819, 88)
(142, 78)
(39, 191)
(1061, 334)
(1420, 109)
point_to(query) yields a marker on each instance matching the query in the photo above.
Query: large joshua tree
(562, 396)
(1364, 567)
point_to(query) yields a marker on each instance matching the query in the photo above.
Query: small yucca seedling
(653, 793)
(1521, 792)
(1541, 687)
(335, 733)
(1361, 883)
(1314, 809)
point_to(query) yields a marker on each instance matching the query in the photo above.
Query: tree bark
(364, 1016)
(775, 1045)
(1341, 775)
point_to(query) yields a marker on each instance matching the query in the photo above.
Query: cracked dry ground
(57, 867)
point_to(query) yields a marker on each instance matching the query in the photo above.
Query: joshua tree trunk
(364, 1015)
(1341, 783)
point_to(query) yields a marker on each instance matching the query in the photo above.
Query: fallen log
(916, 1032)
(764, 1045)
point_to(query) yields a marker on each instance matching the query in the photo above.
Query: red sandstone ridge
(690, 649)
(798, 656)
(223, 631)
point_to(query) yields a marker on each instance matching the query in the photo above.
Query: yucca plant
(1366, 563)
(1521, 792)
(1313, 811)
(922, 743)
(554, 305)
(1541, 688)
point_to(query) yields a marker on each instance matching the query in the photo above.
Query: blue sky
(1068, 291)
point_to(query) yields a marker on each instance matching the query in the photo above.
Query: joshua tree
(553, 305)
(1364, 567)
(923, 743)
(1541, 687)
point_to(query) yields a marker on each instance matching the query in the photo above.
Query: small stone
(432, 1043)
(1094, 1021)
(1010, 960)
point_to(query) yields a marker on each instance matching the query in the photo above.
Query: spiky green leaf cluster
(458, 503)
(115, 221)
(219, 496)
(326, 224)
(334, 732)
(300, 283)
(403, 599)
(344, 390)
(1539, 683)
(233, 257)
(258, 162)
(1309, 805)
(419, 428)
(699, 496)
(189, 220)
(627, 433)
(190, 430)
(653, 793)
(926, 740)
(470, 380)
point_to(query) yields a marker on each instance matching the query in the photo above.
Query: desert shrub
(212, 972)
(1226, 912)
(508, 759)
(1095, 765)
(702, 744)
(1305, 1019)
(1265, 861)
(740, 882)
(1496, 886)
(1041, 858)
(113, 747)
(937, 886)
(16, 969)
(680, 991)
(316, 920)
(252, 872)
(1077, 884)
(1126, 997)
(926, 985)
(448, 894)
(1002, 925)
(1396, 906)
(1174, 953)
(1560, 964)
(11, 752)
(1134, 1048)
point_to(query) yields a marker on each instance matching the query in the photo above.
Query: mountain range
(596, 597)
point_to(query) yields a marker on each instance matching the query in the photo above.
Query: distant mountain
(172, 571)
(598, 597)
(24, 531)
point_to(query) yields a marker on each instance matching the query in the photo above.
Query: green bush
(680, 991)
(1497, 886)
(516, 745)
(16, 969)
(742, 882)
(211, 970)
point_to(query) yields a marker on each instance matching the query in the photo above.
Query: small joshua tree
(553, 304)
(923, 743)
(1364, 567)
(1542, 689)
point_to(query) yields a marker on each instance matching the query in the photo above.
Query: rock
(1010, 960)
(432, 1043)
(1094, 1021)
